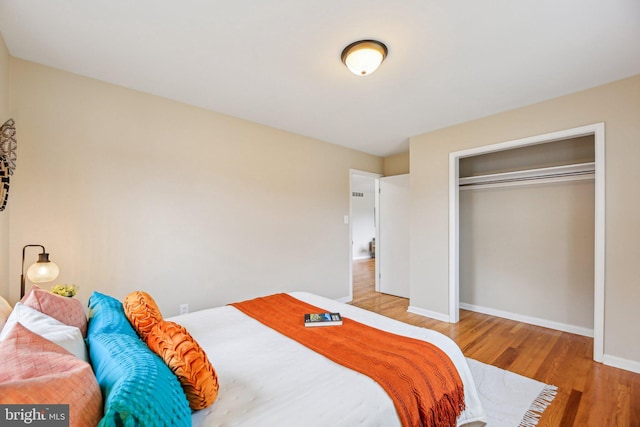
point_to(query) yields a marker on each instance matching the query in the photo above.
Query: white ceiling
(277, 62)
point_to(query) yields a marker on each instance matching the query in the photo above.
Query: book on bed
(322, 319)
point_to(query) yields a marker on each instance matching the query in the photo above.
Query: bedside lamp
(42, 271)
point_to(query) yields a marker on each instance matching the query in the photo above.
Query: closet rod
(580, 171)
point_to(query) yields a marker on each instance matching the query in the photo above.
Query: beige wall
(528, 250)
(4, 215)
(618, 105)
(130, 191)
(398, 164)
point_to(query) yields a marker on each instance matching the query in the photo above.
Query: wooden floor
(589, 393)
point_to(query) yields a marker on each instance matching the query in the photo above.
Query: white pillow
(68, 337)
(5, 311)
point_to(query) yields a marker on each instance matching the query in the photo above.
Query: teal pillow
(106, 315)
(138, 387)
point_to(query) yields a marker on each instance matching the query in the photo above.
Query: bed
(262, 378)
(268, 379)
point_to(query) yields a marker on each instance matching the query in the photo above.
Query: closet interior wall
(528, 250)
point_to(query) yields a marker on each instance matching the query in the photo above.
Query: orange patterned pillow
(64, 309)
(188, 361)
(36, 371)
(142, 311)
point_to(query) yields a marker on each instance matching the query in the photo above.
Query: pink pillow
(64, 309)
(36, 371)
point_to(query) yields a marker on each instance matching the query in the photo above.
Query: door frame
(598, 132)
(376, 177)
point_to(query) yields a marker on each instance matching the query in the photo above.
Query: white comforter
(267, 379)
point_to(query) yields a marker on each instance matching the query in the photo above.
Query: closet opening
(527, 231)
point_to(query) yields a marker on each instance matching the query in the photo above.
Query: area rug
(509, 399)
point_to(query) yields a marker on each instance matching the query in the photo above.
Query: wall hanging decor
(8, 157)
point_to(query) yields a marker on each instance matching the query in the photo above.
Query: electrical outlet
(184, 308)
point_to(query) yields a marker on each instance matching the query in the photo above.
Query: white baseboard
(578, 330)
(619, 362)
(345, 299)
(428, 313)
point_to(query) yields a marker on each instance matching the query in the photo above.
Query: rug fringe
(544, 399)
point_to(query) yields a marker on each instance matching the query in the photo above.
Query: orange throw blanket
(419, 377)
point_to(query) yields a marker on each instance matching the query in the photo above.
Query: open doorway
(364, 220)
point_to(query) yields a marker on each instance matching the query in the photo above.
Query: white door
(393, 242)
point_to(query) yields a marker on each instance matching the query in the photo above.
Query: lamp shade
(44, 270)
(364, 57)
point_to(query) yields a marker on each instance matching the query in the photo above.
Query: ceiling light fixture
(364, 56)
